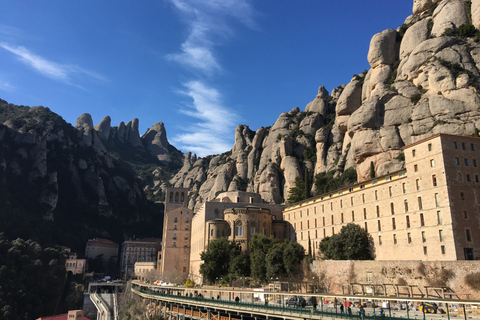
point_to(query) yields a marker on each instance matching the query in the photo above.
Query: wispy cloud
(57, 71)
(209, 26)
(6, 86)
(210, 134)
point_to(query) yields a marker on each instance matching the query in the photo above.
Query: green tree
(216, 259)
(31, 279)
(297, 192)
(259, 248)
(352, 243)
(293, 255)
(274, 261)
(239, 264)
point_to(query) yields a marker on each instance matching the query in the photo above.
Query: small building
(139, 250)
(75, 265)
(144, 269)
(101, 247)
(71, 315)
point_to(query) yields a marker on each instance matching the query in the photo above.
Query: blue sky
(200, 67)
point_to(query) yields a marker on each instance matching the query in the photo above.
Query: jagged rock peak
(103, 128)
(156, 135)
(132, 134)
(84, 121)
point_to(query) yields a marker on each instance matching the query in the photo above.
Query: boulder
(397, 111)
(420, 6)
(84, 121)
(449, 14)
(319, 104)
(369, 115)
(476, 13)
(382, 48)
(414, 35)
(291, 170)
(103, 128)
(351, 98)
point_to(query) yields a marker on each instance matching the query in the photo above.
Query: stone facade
(143, 269)
(143, 250)
(174, 258)
(236, 215)
(414, 275)
(428, 211)
(74, 264)
(97, 247)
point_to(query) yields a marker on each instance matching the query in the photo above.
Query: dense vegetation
(223, 259)
(31, 279)
(352, 243)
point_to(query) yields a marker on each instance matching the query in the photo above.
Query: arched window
(170, 197)
(182, 197)
(176, 197)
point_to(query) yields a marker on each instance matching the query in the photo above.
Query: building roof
(60, 317)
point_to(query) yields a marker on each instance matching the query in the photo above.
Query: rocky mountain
(423, 79)
(63, 184)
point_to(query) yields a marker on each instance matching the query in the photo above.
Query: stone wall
(449, 274)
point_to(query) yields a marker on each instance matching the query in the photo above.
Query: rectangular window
(404, 187)
(392, 208)
(405, 204)
(468, 177)
(463, 146)
(440, 235)
(378, 211)
(390, 191)
(476, 178)
(366, 227)
(341, 203)
(380, 240)
(341, 217)
(332, 218)
(420, 205)
(439, 217)
(465, 214)
(417, 184)
(465, 161)
(471, 147)
(425, 250)
(434, 180)
(457, 161)
(323, 208)
(424, 236)
(462, 196)
(394, 239)
(409, 237)
(414, 153)
(469, 236)
(459, 177)
(429, 147)
(415, 168)
(331, 206)
(407, 220)
(422, 220)
(363, 197)
(394, 225)
(351, 201)
(454, 145)
(333, 230)
(353, 215)
(437, 200)
(442, 248)
(324, 221)
(376, 194)
(432, 163)
(474, 162)
(365, 213)
(379, 225)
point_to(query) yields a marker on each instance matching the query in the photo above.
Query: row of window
(466, 162)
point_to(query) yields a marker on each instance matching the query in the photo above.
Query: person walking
(362, 313)
(341, 308)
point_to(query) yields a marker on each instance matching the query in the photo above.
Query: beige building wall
(413, 214)
(213, 213)
(75, 265)
(96, 247)
(142, 250)
(175, 254)
(142, 269)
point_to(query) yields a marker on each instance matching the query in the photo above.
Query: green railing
(320, 310)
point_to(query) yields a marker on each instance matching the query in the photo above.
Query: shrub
(473, 280)
(415, 98)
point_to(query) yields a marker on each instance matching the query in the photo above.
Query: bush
(473, 280)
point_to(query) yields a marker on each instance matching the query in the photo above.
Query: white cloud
(6, 86)
(212, 135)
(61, 72)
(208, 22)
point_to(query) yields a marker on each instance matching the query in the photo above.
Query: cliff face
(80, 180)
(424, 79)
